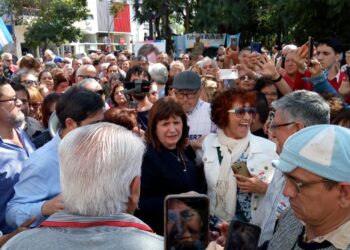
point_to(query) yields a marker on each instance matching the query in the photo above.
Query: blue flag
(5, 36)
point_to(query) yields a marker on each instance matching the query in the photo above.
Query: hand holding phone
(240, 167)
(310, 53)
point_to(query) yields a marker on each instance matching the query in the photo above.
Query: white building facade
(100, 31)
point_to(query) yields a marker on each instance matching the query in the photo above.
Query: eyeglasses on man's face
(298, 185)
(274, 126)
(13, 99)
(89, 77)
(240, 112)
(188, 94)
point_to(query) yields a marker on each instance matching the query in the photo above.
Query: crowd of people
(90, 146)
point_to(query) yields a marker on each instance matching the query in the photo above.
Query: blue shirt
(38, 182)
(11, 158)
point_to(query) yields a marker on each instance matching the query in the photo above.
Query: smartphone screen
(186, 222)
(242, 235)
(283, 62)
(310, 53)
(255, 47)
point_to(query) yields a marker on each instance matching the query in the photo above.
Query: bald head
(85, 71)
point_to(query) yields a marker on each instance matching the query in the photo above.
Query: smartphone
(233, 43)
(242, 235)
(228, 74)
(186, 222)
(310, 53)
(283, 62)
(240, 167)
(255, 47)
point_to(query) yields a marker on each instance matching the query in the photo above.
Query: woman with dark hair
(46, 80)
(168, 166)
(237, 164)
(29, 63)
(342, 118)
(61, 83)
(269, 89)
(47, 108)
(124, 117)
(117, 98)
(113, 80)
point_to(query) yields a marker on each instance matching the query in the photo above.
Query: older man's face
(7, 61)
(10, 106)
(314, 203)
(187, 99)
(281, 129)
(87, 71)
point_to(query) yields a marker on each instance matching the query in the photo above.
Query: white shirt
(199, 121)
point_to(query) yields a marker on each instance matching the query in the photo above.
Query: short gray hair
(179, 63)
(206, 60)
(89, 81)
(98, 163)
(304, 106)
(158, 72)
(5, 55)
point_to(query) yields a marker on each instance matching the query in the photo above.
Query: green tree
(55, 23)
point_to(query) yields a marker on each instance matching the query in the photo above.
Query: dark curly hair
(224, 101)
(163, 109)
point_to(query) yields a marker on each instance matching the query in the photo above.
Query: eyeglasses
(30, 83)
(274, 126)
(87, 77)
(13, 99)
(189, 95)
(299, 184)
(240, 112)
(35, 104)
(100, 92)
(270, 94)
(245, 78)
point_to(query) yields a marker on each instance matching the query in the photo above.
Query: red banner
(122, 20)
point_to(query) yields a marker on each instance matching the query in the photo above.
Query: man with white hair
(99, 163)
(92, 85)
(85, 71)
(159, 75)
(49, 56)
(8, 67)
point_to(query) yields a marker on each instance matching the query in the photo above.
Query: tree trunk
(187, 17)
(159, 34)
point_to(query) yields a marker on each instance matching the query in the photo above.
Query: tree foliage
(267, 21)
(55, 23)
